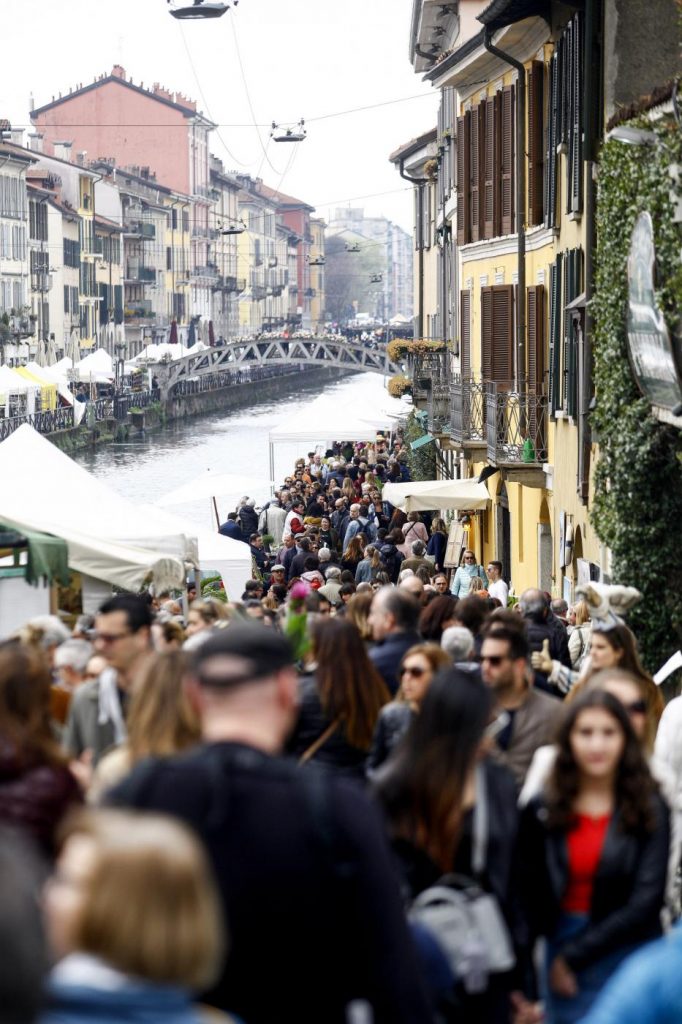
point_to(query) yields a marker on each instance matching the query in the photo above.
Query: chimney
(17, 137)
(62, 150)
(118, 72)
(80, 157)
(35, 142)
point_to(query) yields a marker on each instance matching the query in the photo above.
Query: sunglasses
(494, 659)
(410, 670)
(637, 707)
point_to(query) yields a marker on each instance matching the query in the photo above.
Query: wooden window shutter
(536, 338)
(463, 158)
(476, 161)
(503, 335)
(507, 161)
(575, 127)
(465, 333)
(487, 333)
(491, 199)
(536, 107)
(555, 322)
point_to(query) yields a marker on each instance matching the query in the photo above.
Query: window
(566, 284)
(67, 308)
(465, 334)
(565, 124)
(536, 90)
(497, 358)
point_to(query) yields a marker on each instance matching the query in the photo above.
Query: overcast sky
(301, 58)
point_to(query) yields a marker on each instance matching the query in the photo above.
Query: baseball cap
(245, 652)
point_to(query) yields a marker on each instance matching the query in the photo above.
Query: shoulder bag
(465, 921)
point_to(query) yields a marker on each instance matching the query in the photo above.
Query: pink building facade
(112, 119)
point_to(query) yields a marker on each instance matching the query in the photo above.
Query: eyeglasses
(111, 638)
(413, 670)
(494, 659)
(636, 707)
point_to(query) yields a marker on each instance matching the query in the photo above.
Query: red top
(584, 844)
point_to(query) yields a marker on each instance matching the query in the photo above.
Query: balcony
(516, 430)
(140, 275)
(139, 229)
(91, 249)
(140, 310)
(467, 415)
(208, 273)
(439, 407)
(199, 231)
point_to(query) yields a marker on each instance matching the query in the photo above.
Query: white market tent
(12, 383)
(61, 369)
(109, 538)
(155, 353)
(98, 366)
(231, 558)
(210, 484)
(427, 495)
(324, 422)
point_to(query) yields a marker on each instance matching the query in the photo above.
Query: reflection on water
(149, 466)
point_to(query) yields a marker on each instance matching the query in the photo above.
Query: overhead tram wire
(248, 98)
(203, 96)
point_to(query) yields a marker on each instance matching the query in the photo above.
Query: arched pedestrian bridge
(312, 352)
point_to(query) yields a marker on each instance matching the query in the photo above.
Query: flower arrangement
(399, 386)
(296, 622)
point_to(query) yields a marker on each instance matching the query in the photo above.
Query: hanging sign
(651, 351)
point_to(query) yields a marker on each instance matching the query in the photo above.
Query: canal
(149, 466)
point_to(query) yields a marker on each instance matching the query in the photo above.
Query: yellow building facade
(515, 358)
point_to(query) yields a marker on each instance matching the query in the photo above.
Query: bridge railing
(229, 378)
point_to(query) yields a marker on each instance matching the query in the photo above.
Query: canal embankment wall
(181, 407)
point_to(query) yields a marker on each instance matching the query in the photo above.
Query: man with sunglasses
(532, 716)
(98, 708)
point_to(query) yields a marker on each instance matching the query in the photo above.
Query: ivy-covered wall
(637, 509)
(421, 461)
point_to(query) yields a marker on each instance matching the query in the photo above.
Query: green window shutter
(555, 321)
(536, 110)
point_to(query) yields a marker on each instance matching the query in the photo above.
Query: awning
(429, 495)
(48, 557)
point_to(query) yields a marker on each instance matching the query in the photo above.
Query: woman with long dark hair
(437, 616)
(437, 790)
(341, 697)
(353, 554)
(594, 850)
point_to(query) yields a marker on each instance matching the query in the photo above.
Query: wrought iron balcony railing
(516, 427)
(467, 413)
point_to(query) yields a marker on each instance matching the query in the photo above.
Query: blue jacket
(136, 1003)
(388, 654)
(232, 529)
(646, 989)
(462, 579)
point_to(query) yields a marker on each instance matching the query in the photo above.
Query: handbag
(465, 921)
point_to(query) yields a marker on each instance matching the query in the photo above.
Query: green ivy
(422, 461)
(637, 509)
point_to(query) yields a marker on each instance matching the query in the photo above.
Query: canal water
(150, 466)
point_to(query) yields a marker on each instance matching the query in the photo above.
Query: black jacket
(248, 518)
(388, 654)
(303, 868)
(336, 752)
(392, 724)
(629, 886)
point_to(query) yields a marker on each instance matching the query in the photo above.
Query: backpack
(466, 922)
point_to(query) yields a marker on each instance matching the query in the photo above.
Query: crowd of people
(374, 789)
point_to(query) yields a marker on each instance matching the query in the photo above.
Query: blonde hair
(210, 611)
(475, 583)
(150, 908)
(582, 613)
(161, 720)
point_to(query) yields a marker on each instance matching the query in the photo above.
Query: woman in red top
(594, 852)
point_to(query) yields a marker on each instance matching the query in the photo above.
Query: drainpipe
(592, 82)
(420, 183)
(520, 202)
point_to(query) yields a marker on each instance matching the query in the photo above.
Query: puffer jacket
(34, 794)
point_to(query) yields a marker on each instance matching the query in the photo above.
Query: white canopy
(97, 366)
(214, 485)
(324, 421)
(12, 383)
(61, 369)
(155, 353)
(108, 537)
(427, 495)
(231, 558)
